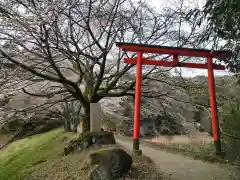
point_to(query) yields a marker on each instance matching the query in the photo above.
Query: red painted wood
(213, 103)
(137, 96)
(180, 52)
(175, 58)
(172, 64)
(176, 52)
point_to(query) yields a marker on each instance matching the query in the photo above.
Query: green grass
(23, 156)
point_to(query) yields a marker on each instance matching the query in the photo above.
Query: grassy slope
(21, 157)
(37, 158)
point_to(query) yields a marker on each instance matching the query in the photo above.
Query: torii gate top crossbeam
(132, 47)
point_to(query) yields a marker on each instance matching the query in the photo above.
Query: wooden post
(137, 103)
(213, 103)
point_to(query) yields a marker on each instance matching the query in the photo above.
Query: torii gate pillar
(137, 105)
(213, 104)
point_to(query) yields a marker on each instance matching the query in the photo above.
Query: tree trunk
(67, 126)
(86, 119)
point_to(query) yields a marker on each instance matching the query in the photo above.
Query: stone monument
(96, 117)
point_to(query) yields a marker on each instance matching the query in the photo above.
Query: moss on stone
(87, 139)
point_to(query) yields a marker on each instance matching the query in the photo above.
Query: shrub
(12, 126)
(230, 119)
(230, 127)
(18, 127)
(70, 113)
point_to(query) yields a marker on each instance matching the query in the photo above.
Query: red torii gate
(175, 52)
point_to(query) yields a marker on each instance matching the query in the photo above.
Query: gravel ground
(69, 168)
(178, 167)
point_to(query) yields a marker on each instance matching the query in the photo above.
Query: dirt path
(178, 167)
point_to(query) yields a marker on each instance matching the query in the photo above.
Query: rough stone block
(112, 164)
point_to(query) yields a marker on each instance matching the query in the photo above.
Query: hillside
(40, 157)
(178, 99)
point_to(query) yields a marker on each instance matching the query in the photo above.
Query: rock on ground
(111, 164)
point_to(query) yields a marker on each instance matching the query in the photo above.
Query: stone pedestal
(96, 117)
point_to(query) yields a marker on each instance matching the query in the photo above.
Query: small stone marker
(96, 116)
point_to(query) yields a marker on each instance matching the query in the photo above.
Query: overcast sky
(187, 71)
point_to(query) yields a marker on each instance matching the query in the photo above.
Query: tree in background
(224, 22)
(224, 17)
(71, 43)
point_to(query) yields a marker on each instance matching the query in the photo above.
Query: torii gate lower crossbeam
(175, 52)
